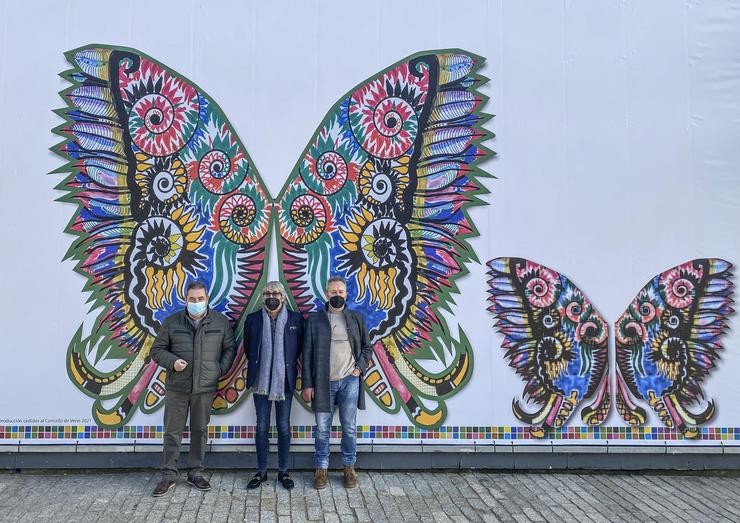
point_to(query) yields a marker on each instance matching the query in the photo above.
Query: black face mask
(272, 304)
(337, 302)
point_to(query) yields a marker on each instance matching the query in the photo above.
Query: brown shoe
(199, 482)
(163, 487)
(319, 479)
(350, 477)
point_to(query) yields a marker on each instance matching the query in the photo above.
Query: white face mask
(196, 308)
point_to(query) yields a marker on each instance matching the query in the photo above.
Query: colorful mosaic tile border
(367, 432)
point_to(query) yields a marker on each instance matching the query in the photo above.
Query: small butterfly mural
(667, 342)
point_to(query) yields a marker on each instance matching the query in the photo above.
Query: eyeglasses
(271, 294)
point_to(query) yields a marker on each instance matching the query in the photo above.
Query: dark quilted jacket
(209, 351)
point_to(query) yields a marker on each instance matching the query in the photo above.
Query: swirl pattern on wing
(668, 340)
(555, 340)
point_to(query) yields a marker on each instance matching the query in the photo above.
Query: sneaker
(319, 479)
(163, 487)
(284, 479)
(350, 477)
(199, 482)
(257, 480)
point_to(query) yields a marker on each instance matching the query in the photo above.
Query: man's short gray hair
(275, 286)
(336, 279)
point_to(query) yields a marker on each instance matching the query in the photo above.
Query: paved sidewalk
(387, 496)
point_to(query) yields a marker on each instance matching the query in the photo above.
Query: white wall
(617, 123)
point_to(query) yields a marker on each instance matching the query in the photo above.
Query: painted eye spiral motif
(219, 174)
(303, 218)
(161, 122)
(241, 219)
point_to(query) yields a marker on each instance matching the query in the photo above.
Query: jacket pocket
(210, 371)
(180, 379)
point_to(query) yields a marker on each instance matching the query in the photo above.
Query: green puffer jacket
(209, 351)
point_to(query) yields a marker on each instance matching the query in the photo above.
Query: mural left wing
(555, 340)
(165, 193)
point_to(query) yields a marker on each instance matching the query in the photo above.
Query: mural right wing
(381, 196)
(668, 340)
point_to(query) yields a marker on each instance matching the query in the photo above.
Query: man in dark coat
(336, 353)
(273, 340)
(196, 347)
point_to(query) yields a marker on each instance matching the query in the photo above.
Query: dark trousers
(263, 409)
(176, 408)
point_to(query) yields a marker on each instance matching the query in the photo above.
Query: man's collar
(328, 308)
(206, 315)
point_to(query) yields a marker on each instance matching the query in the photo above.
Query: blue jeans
(342, 393)
(263, 408)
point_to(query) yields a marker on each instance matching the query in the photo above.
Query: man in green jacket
(196, 347)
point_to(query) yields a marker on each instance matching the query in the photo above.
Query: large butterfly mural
(667, 341)
(166, 192)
